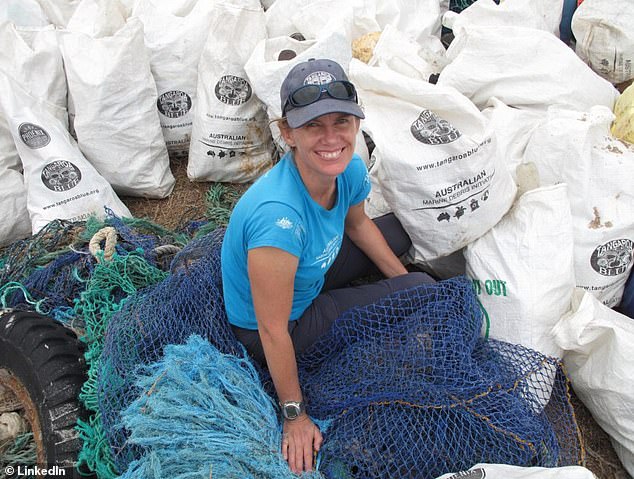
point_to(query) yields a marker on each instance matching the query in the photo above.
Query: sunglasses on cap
(308, 94)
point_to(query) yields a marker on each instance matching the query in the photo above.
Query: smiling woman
(300, 235)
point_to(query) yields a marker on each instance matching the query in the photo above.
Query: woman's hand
(301, 438)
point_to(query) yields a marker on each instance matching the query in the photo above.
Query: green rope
(220, 200)
(20, 450)
(120, 277)
(11, 287)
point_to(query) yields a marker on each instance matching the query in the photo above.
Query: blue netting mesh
(189, 301)
(415, 392)
(408, 385)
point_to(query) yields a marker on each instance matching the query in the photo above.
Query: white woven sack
(522, 67)
(116, 121)
(231, 139)
(59, 12)
(522, 269)
(394, 50)
(25, 13)
(61, 183)
(514, 127)
(98, 18)
(417, 19)
(538, 14)
(14, 217)
(505, 471)
(597, 343)
(577, 148)
(32, 57)
(175, 41)
(604, 30)
(438, 168)
(287, 17)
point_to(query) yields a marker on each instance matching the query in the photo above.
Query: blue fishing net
(189, 301)
(414, 391)
(407, 384)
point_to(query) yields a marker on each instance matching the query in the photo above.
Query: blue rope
(204, 414)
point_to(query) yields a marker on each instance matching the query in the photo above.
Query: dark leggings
(336, 296)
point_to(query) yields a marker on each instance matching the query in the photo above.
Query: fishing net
(236, 432)
(414, 391)
(407, 385)
(48, 271)
(188, 301)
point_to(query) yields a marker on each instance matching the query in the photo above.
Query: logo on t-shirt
(329, 254)
(284, 223)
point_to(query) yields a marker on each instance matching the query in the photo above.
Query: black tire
(42, 363)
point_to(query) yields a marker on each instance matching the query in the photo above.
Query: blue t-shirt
(278, 211)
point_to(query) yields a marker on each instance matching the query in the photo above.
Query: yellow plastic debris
(623, 125)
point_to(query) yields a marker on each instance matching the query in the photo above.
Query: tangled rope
(110, 235)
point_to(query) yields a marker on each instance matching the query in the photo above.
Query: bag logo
(33, 136)
(319, 78)
(233, 90)
(472, 474)
(613, 258)
(60, 175)
(433, 130)
(174, 103)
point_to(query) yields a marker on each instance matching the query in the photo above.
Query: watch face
(291, 411)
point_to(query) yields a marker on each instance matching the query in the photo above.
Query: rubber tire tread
(48, 359)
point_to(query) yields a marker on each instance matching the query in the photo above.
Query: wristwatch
(292, 409)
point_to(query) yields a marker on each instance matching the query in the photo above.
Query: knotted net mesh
(413, 390)
(408, 386)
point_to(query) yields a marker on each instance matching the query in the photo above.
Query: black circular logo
(33, 136)
(432, 130)
(613, 258)
(174, 103)
(233, 90)
(60, 175)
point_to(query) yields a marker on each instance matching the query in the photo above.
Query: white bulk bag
(417, 19)
(522, 67)
(597, 344)
(98, 18)
(418, 60)
(438, 167)
(287, 17)
(231, 139)
(24, 13)
(60, 182)
(14, 217)
(116, 121)
(505, 471)
(175, 41)
(604, 30)
(577, 148)
(522, 269)
(59, 11)
(32, 57)
(514, 127)
(538, 14)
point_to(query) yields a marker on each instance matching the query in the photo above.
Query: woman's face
(325, 145)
